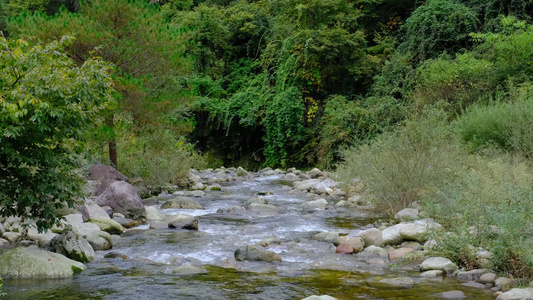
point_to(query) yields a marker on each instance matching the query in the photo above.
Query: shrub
(401, 165)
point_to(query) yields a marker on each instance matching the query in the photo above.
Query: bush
(487, 206)
(401, 165)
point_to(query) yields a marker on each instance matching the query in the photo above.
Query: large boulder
(123, 198)
(391, 235)
(315, 173)
(72, 246)
(413, 232)
(438, 263)
(254, 253)
(326, 186)
(32, 262)
(372, 236)
(95, 211)
(108, 225)
(105, 176)
(517, 294)
(182, 203)
(100, 240)
(153, 213)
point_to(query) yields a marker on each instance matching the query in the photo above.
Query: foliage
(438, 26)
(399, 166)
(46, 104)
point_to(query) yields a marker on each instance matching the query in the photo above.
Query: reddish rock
(344, 249)
(399, 253)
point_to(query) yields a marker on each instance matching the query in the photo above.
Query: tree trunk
(113, 143)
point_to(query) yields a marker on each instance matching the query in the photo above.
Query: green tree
(136, 38)
(46, 105)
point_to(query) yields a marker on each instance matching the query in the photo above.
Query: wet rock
(123, 198)
(344, 248)
(399, 253)
(41, 238)
(158, 225)
(326, 186)
(241, 172)
(372, 236)
(438, 263)
(105, 176)
(373, 251)
(197, 186)
(189, 270)
(259, 207)
(413, 232)
(391, 235)
(356, 242)
(253, 253)
(213, 187)
(153, 213)
(182, 203)
(328, 237)
(474, 284)
(72, 246)
(4, 243)
(255, 200)
(452, 295)
(183, 222)
(151, 201)
(32, 262)
(108, 225)
(291, 177)
(323, 297)
(306, 185)
(127, 223)
(116, 255)
(503, 283)
(517, 294)
(488, 278)
(100, 240)
(406, 214)
(269, 241)
(432, 274)
(196, 194)
(393, 283)
(315, 204)
(472, 275)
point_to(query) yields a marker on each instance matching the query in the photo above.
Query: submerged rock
(32, 262)
(254, 253)
(183, 221)
(452, 295)
(393, 283)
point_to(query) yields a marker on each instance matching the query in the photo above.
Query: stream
(183, 264)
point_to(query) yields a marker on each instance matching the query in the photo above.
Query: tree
(136, 38)
(46, 105)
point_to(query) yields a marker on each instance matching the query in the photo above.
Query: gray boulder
(393, 283)
(452, 295)
(153, 213)
(100, 240)
(517, 294)
(108, 225)
(41, 238)
(472, 275)
(95, 211)
(315, 173)
(105, 176)
(182, 221)
(32, 262)
(413, 232)
(391, 235)
(488, 278)
(306, 185)
(123, 198)
(72, 246)
(328, 237)
(357, 243)
(320, 204)
(254, 253)
(372, 236)
(406, 214)
(438, 263)
(182, 203)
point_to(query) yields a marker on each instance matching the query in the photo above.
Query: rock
(241, 172)
(315, 173)
(189, 270)
(108, 210)
(438, 263)
(323, 297)
(100, 240)
(432, 274)
(255, 200)
(474, 284)
(85, 229)
(123, 198)
(72, 246)
(291, 177)
(213, 187)
(483, 258)
(127, 223)
(517, 294)
(253, 253)
(326, 186)
(182, 203)
(503, 283)
(182, 221)
(105, 176)
(108, 225)
(12, 237)
(328, 237)
(472, 275)
(116, 255)
(413, 232)
(374, 250)
(394, 283)
(152, 200)
(197, 186)
(306, 185)
(158, 225)
(236, 210)
(488, 278)
(429, 245)
(91, 188)
(95, 211)
(315, 204)
(258, 207)
(399, 253)
(391, 235)
(372, 236)
(32, 262)
(356, 242)
(452, 295)
(140, 186)
(41, 238)
(153, 213)
(4, 243)
(344, 248)
(406, 214)
(269, 241)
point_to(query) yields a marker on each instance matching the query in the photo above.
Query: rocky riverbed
(237, 235)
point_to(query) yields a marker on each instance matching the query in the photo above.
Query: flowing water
(182, 264)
